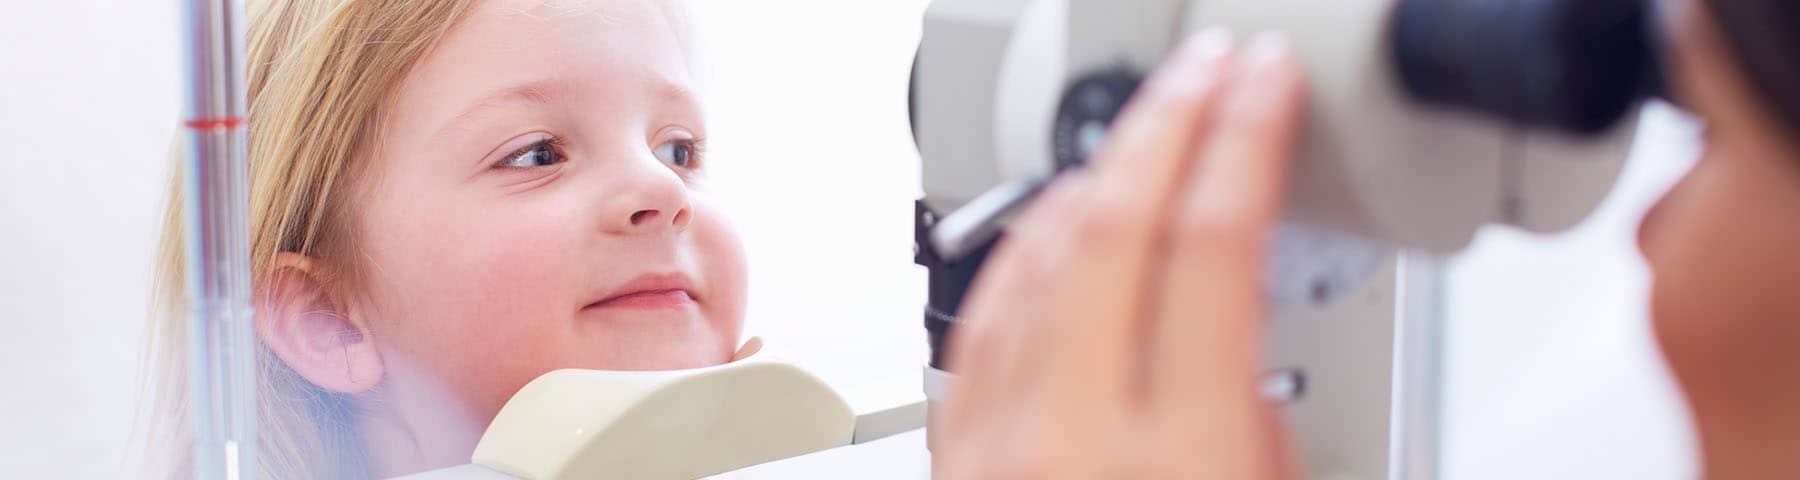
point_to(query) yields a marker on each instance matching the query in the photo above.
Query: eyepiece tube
(1577, 66)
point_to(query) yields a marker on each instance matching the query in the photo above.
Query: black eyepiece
(1572, 65)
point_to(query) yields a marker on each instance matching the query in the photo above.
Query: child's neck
(410, 424)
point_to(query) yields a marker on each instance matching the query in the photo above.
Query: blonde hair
(320, 72)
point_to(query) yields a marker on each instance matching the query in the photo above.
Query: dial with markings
(1312, 266)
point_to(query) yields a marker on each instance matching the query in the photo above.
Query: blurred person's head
(1722, 244)
(448, 199)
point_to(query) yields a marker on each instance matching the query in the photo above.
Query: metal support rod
(1416, 411)
(221, 356)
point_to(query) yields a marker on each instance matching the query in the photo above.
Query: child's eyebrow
(535, 93)
(544, 92)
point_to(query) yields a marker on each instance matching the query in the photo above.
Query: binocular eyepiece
(1576, 66)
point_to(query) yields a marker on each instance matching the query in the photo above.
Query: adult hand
(1117, 331)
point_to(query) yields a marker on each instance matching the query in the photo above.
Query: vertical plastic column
(221, 359)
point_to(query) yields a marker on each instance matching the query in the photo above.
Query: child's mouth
(650, 292)
(648, 300)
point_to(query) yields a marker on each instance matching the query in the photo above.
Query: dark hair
(1765, 35)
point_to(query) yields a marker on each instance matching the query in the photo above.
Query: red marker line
(226, 123)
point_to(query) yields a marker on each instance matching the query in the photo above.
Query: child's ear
(302, 323)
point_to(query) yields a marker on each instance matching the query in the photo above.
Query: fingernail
(1209, 46)
(1266, 53)
(1263, 70)
(1200, 61)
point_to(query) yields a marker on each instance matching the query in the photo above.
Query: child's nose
(653, 200)
(644, 219)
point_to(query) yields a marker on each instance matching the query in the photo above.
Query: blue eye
(540, 154)
(680, 153)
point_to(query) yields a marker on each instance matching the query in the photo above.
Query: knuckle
(1217, 226)
(1103, 224)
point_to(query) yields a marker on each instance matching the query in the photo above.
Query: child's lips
(662, 299)
(651, 291)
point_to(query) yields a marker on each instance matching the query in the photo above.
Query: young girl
(450, 198)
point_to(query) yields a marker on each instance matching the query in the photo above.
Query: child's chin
(667, 343)
(646, 312)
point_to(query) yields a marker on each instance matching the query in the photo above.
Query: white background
(1551, 373)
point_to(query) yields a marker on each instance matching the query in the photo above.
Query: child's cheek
(479, 289)
(526, 304)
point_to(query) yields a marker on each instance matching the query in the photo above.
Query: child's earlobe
(340, 355)
(312, 333)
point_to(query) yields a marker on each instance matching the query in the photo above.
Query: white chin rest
(681, 424)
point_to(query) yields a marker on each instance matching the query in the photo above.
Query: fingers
(1152, 259)
(1059, 299)
(1102, 245)
(996, 346)
(1208, 327)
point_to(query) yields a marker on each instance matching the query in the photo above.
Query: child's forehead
(619, 32)
(639, 16)
(545, 45)
(558, 8)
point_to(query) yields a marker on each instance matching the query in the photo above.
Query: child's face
(538, 204)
